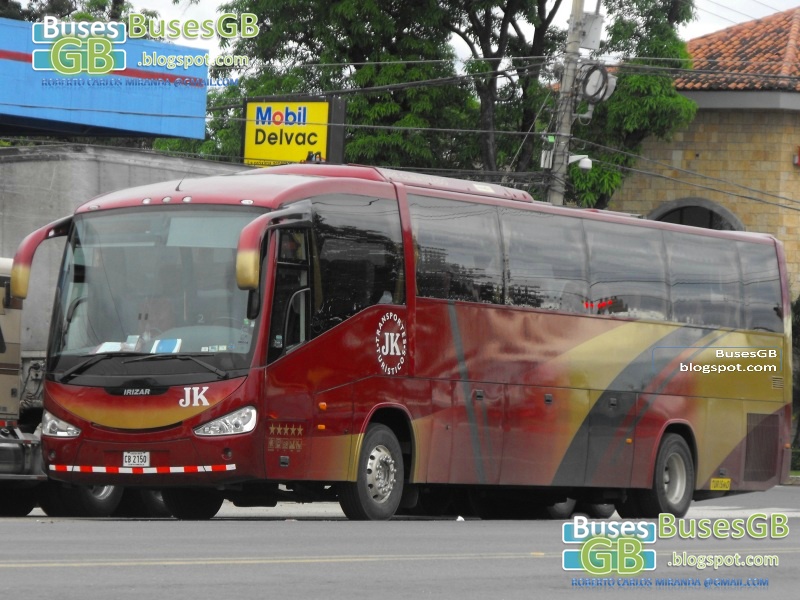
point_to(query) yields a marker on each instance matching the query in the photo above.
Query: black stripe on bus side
(633, 378)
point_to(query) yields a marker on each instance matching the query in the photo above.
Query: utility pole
(566, 106)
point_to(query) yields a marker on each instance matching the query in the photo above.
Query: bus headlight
(240, 421)
(55, 427)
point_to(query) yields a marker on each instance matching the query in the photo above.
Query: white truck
(23, 484)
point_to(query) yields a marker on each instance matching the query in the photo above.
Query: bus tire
(192, 504)
(596, 511)
(91, 501)
(561, 510)
(58, 500)
(378, 489)
(673, 480)
(17, 502)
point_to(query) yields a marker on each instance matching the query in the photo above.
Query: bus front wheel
(376, 493)
(673, 480)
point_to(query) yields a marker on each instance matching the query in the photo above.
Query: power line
(693, 174)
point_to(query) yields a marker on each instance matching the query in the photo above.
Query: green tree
(391, 59)
(645, 102)
(388, 58)
(509, 42)
(76, 10)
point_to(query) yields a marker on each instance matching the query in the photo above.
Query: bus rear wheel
(192, 504)
(376, 493)
(596, 511)
(673, 480)
(561, 510)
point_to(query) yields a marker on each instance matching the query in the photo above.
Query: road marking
(279, 560)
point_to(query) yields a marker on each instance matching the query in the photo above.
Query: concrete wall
(44, 183)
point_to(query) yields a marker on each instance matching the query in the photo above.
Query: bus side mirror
(248, 269)
(23, 259)
(251, 240)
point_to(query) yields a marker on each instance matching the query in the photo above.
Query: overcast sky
(712, 15)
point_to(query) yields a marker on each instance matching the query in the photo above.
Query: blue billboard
(90, 78)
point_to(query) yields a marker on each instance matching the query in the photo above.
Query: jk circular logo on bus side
(390, 343)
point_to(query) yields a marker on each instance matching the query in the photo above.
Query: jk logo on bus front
(391, 343)
(608, 547)
(194, 396)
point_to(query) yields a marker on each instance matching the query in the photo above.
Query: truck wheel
(145, 504)
(192, 504)
(17, 502)
(673, 480)
(50, 500)
(376, 493)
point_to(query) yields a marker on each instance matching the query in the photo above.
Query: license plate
(720, 484)
(135, 459)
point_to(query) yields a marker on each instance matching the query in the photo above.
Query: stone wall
(743, 161)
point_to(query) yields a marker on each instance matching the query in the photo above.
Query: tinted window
(458, 250)
(626, 271)
(546, 260)
(289, 323)
(704, 273)
(359, 251)
(762, 287)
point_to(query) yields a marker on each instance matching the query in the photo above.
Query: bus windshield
(158, 282)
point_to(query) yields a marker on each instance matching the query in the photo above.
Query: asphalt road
(311, 551)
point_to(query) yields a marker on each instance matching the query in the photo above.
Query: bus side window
(546, 257)
(460, 255)
(762, 287)
(706, 286)
(357, 257)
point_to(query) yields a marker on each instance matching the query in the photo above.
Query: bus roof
(273, 186)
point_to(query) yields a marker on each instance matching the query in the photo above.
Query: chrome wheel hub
(380, 474)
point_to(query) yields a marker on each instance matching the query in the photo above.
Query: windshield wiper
(218, 372)
(93, 359)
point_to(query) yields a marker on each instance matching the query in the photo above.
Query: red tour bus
(397, 341)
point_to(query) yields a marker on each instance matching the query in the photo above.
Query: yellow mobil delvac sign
(285, 132)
